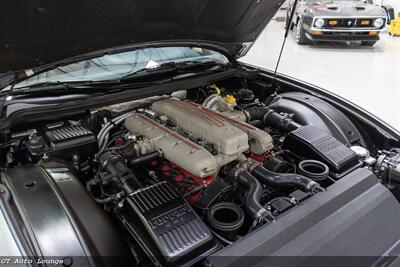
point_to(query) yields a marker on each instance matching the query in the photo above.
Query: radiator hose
(284, 179)
(253, 195)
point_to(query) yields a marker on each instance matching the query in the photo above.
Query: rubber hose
(104, 200)
(256, 113)
(125, 178)
(137, 160)
(277, 120)
(253, 195)
(285, 179)
(272, 118)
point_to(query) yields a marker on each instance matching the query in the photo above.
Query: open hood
(38, 33)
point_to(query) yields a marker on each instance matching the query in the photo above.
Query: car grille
(349, 23)
(361, 25)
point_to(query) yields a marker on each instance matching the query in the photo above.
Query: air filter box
(164, 223)
(62, 140)
(313, 143)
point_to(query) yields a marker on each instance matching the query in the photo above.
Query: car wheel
(301, 37)
(368, 43)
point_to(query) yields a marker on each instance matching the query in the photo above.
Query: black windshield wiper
(163, 73)
(60, 88)
(77, 87)
(145, 72)
(175, 68)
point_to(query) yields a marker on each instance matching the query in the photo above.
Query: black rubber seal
(314, 169)
(226, 218)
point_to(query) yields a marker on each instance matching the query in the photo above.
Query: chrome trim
(313, 28)
(349, 17)
(346, 30)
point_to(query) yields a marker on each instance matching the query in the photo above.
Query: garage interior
(367, 76)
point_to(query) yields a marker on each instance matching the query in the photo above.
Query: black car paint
(41, 204)
(42, 32)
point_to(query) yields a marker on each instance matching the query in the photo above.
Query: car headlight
(378, 22)
(319, 22)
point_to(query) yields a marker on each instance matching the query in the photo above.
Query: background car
(339, 21)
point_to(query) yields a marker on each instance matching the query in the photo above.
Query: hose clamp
(252, 164)
(247, 115)
(160, 153)
(311, 185)
(111, 157)
(265, 117)
(261, 214)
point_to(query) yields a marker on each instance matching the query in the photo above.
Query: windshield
(116, 66)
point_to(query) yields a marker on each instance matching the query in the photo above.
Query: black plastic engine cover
(177, 232)
(313, 143)
(354, 223)
(311, 110)
(59, 218)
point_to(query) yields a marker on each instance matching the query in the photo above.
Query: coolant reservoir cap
(230, 99)
(246, 96)
(360, 151)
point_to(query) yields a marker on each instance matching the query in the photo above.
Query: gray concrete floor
(366, 76)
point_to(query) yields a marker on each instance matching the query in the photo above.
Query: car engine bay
(178, 177)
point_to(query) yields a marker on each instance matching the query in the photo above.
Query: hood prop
(286, 35)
